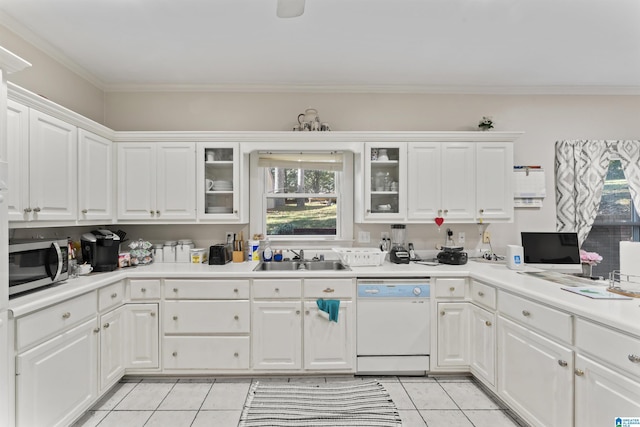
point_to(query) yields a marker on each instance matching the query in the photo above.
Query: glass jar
(169, 251)
(157, 251)
(183, 250)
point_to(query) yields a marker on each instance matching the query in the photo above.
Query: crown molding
(55, 53)
(10, 62)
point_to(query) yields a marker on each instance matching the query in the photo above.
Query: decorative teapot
(310, 115)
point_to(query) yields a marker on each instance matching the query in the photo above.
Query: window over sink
(301, 195)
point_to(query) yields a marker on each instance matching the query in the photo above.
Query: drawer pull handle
(488, 323)
(158, 213)
(153, 314)
(143, 289)
(235, 290)
(297, 311)
(235, 354)
(113, 295)
(106, 325)
(329, 290)
(175, 290)
(174, 354)
(66, 315)
(96, 330)
(579, 372)
(562, 363)
(85, 211)
(175, 317)
(306, 312)
(27, 210)
(36, 209)
(442, 313)
(481, 210)
(151, 212)
(480, 294)
(236, 317)
(525, 313)
(634, 359)
(277, 289)
(451, 289)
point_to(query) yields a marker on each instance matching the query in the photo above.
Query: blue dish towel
(331, 306)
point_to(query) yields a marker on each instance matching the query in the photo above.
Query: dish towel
(331, 306)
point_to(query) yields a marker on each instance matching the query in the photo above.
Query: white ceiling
(472, 46)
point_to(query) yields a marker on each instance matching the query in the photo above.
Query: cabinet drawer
(277, 288)
(614, 348)
(206, 289)
(206, 317)
(111, 296)
(329, 288)
(546, 319)
(144, 289)
(483, 294)
(451, 288)
(206, 353)
(55, 319)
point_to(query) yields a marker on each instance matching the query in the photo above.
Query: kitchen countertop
(620, 314)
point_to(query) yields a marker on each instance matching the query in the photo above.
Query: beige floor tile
(217, 419)
(171, 419)
(145, 397)
(398, 395)
(490, 418)
(226, 396)
(90, 419)
(186, 396)
(429, 396)
(411, 418)
(469, 396)
(445, 418)
(126, 419)
(114, 396)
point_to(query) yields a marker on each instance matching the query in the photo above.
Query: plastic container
(158, 253)
(254, 250)
(198, 255)
(361, 257)
(183, 250)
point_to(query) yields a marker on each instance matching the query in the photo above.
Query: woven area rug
(352, 403)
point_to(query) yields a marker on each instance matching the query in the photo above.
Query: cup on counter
(84, 269)
(73, 268)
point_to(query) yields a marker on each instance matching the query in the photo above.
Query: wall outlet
(364, 237)
(228, 237)
(461, 238)
(486, 237)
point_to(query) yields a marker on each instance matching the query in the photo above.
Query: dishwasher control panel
(394, 290)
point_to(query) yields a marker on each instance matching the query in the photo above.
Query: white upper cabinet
(385, 181)
(494, 180)
(18, 158)
(95, 177)
(425, 189)
(458, 178)
(156, 181)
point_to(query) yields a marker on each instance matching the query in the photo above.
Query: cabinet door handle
(66, 315)
(174, 354)
(488, 323)
(451, 289)
(96, 330)
(277, 289)
(151, 212)
(113, 295)
(329, 290)
(153, 314)
(235, 211)
(481, 211)
(175, 289)
(27, 210)
(634, 358)
(368, 210)
(439, 212)
(525, 313)
(236, 354)
(236, 317)
(85, 211)
(579, 372)
(175, 317)
(562, 363)
(446, 211)
(106, 325)
(442, 313)
(143, 289)
(480, 294)
(158, 213)
(36, 209)
(306, 312)
(297, 311)
(235, 291)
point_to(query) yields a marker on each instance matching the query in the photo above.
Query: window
(617, 220)
(302, 195)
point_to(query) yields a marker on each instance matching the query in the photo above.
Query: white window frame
(344, 211)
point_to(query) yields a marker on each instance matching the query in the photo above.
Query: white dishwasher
(393, 326)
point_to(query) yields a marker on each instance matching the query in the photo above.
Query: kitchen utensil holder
(238, 256)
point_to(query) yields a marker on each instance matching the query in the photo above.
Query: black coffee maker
(100, 248)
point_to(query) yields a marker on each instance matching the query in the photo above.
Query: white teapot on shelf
(310, 115)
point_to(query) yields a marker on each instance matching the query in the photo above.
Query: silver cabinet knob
(236, 354)
(85, 211)
(579, 372)
(562, 363)
(235, 291)
(143, 290)
(488, 323)
(634, 358)
(235, 211)
(297, 311)
(368, 210)
(153, 314)
(158, 213)
(106, 325)
(175, 289)
(174, 354)
(66, 315)
(27, 210)
(96, 330)
(36, 209)
(175, 317)
(152, 212)
(439, 212)
(277, 289)
(451, 289)
(114, 295)
(446, 211)
(525, 313)
(329, 290)
(236, 317)
(306, 312)
(480, 294)
(442, 313)
(481, 211)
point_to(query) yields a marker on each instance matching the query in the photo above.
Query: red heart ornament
(439, 220)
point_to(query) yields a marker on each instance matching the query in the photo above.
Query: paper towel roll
(630, 258)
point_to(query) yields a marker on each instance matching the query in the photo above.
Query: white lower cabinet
(277, 335)
(113, 339)
(206, 352)
(329, 345)
(535, 375)
(602, 395)
(453, 335)
(143, 336)
(57, 380)
(482, 351)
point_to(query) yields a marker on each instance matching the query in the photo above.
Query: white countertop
(620, 314)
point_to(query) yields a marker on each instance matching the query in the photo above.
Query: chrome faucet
(300, 254)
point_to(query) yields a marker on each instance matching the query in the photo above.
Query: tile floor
(421, 401)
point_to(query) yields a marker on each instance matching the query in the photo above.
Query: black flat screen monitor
(557, 251)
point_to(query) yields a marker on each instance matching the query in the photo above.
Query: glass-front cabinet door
(219, 182)
(385, 181)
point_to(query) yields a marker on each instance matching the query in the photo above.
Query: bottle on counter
(267, 252)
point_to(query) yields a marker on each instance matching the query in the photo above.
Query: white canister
(169, 251)
(198, 255)
(158, 253)
(183, 250)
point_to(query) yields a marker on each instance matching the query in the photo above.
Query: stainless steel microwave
(35, 263)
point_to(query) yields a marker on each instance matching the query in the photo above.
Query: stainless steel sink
(300, 266)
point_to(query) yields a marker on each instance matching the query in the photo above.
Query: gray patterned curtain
(581, 168)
